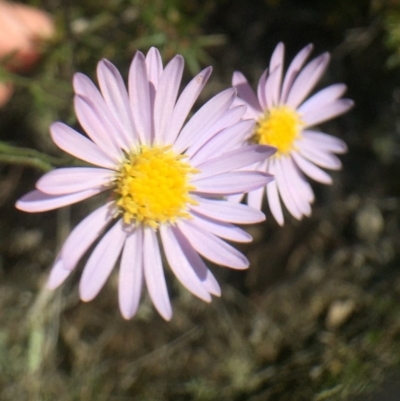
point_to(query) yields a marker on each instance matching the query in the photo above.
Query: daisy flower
(285, 119)
(166, 179)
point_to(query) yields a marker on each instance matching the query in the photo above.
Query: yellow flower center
(279, 127)
(152, 187)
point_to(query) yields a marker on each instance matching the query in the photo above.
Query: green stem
(29, 157)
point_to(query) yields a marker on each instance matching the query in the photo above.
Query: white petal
(58, 275)
(328, 112)
(208, 280)
(293, 70)
(322, 98)
(228, 212)
(211, 247)
(37, 201)
(139, 95)
(311, 169)
(325, 142)
(185, 103)
(231, 183)
(130, 277)
(180, 265)
(228, 139)
(79, 146)
(204, 118)
(245, 92)
(154, 274)
(154, 70)
(74, 179)
(84, 235)
(306, 80)
(234, 160)
(223, 230)
(116, 97)
(101, 262)
(165, 99)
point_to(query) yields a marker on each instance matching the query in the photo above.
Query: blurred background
(317, 315)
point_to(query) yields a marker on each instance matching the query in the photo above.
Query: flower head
(284, 119)
(167, 180)
(22, 28)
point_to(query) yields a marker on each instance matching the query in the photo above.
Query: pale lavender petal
(311, 169)
(154, 274)
(185, 103)
(228, 139)
(57, 275)
(228, 212)
(205, 118)
(295, 66)
(74, 179)
(37, 201)
(284, 189)
(84, 88)
(139, 95)
(322, 98)
(97, 127)
(295, 186)
(79, 146)
(101, 262)
(116, 97)
(328, 112)
(272, 82)
(231, 183)
(325, 142)
(306, 80)
(212, 247)
(224, 230)
(154, 68)
(199, 267)
(234, 160)
(255, 198)
(228, 121)
(317, 156)
(180, 265)
(274, 202)
(84, 234)
(302, 182)
(276, 66)
(245, 92)
(272, 193)
(262, 96)
(165, 100)
(236, 198)
(130, 277)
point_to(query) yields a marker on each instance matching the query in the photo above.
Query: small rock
(339, 312)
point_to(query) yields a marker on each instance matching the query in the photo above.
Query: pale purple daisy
(167, 181)
(285, 120)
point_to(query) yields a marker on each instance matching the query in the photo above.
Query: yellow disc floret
(279, 127)
(152, 187)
